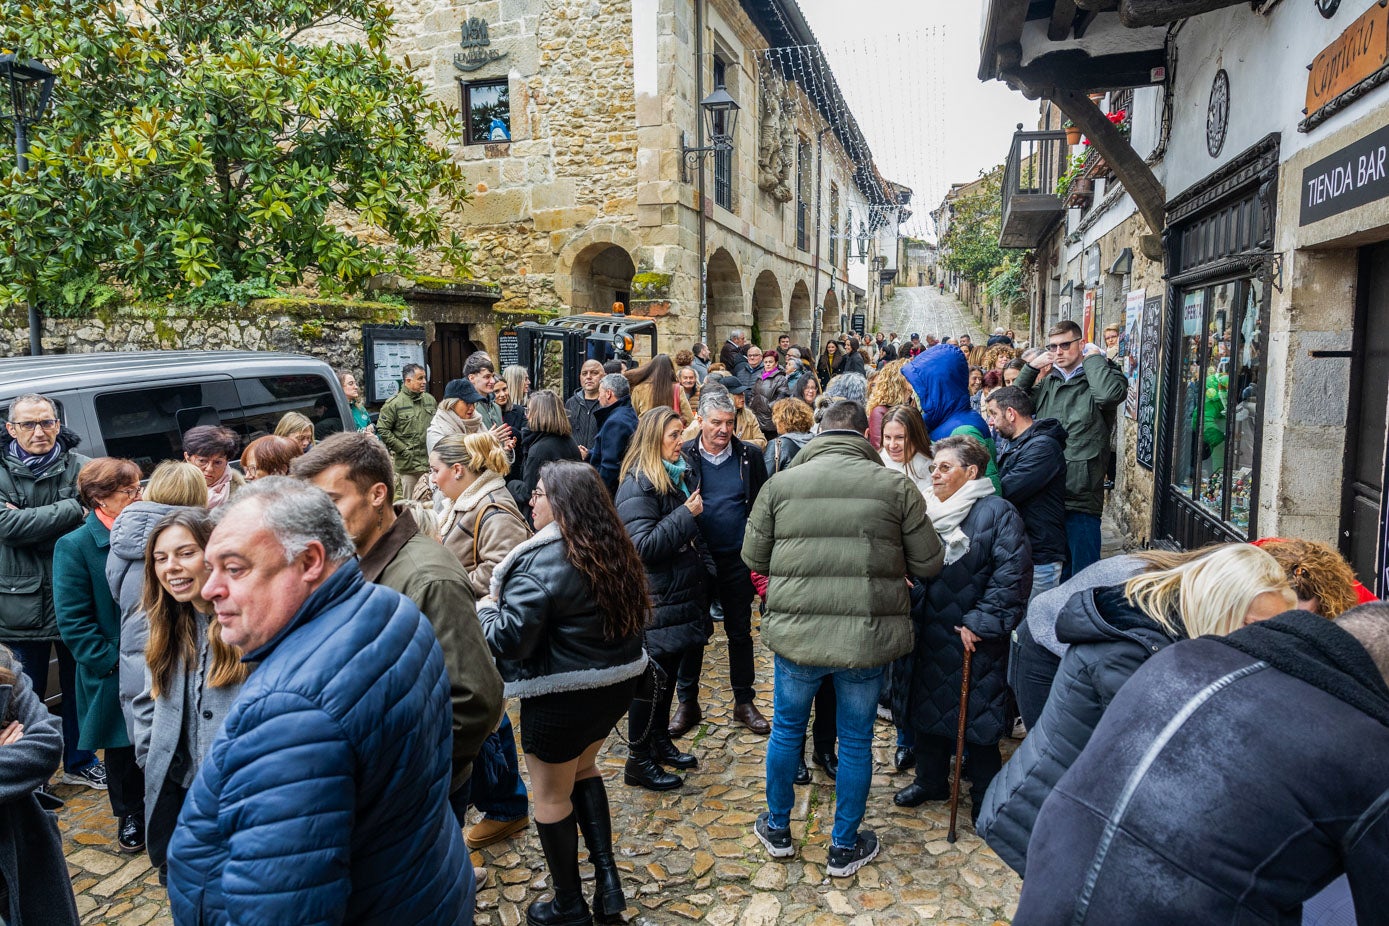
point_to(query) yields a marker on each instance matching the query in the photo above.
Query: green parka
(837, 533)
(34, 513)
(402, 426)
(1084, 405)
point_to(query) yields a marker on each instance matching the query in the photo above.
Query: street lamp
(30, 90)
(862, 242)
(720, 119)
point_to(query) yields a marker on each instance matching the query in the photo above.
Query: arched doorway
(601, 275)
(767, 309)
(801, 314)
(829, 320)
(727, 309)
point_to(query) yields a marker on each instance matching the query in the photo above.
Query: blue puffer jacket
(940, 377)
(325, 797)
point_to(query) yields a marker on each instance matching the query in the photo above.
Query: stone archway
(767, 311)
(829, 319)
(801, 314)
(601, 275)
(727, 307)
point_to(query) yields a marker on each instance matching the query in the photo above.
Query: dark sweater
(725, 516)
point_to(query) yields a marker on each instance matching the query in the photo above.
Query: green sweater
(837, 533)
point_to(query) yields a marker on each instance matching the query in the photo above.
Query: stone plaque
(477, 47)
(1358, 54)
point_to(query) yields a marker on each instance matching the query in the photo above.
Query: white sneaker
(93, 776)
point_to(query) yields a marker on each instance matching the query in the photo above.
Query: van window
(147, 425)
(266, 399)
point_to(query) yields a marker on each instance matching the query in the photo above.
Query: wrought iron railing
(1036, 161)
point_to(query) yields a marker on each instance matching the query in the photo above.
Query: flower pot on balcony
(1073, 135)
(1080, 192)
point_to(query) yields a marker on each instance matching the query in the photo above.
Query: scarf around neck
(947, 516)
(37, 463)
(676, 472)
(217, 492)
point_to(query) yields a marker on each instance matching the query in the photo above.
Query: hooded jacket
(1108, 640)
(836, 535)
(616, 425)
(1229, 781)
(45, 507)
(940, 377)
(1033, 475)
(782, 449)
(324, 799)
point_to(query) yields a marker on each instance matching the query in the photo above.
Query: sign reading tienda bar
(1358, 57)
(477, 47)
(1355, 175)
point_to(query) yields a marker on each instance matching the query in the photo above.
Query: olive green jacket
(1084, 405)
(34, 513)
(837, 534)
(402, 426)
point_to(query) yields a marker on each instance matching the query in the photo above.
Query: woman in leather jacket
(564, 618)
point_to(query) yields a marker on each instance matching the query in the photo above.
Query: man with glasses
(38, 489)
(1080, 391)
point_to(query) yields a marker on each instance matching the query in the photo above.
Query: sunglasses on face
(1061, 345)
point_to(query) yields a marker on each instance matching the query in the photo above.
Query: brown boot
(686, 717)
(489, 831)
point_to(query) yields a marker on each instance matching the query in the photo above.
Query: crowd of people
(296, 669)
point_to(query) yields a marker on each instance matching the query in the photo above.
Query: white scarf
(948, 515)
(484, 485)
(917, 469)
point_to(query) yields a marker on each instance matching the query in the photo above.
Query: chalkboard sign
(1148, 380)
(508, 349)
(859, 323)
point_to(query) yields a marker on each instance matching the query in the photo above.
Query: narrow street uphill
(924, 310)
(686, 856)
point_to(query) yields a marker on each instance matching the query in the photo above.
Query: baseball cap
(733, 384)
(464, 391)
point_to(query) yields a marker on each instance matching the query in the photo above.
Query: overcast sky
(908, 69)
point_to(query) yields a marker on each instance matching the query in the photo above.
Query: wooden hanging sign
(1357, 55)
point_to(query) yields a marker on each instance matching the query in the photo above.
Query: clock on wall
(1218, 113)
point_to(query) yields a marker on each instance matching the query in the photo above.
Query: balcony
(1031, 207)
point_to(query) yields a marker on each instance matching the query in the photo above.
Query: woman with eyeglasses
(270, 455)
(209, 448)
(191, 675)
(564, 617)
(974, 604)
(90, 623)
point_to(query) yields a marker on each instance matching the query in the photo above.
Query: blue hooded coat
(940, 377)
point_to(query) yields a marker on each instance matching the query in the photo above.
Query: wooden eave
(1072, 57)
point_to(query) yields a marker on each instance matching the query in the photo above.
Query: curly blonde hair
(1315, 571)
(890, 387)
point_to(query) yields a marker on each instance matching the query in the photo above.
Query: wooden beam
(1133, 13)
(1002, 28)
(1063, 14)
(1099, 6)
(1084, 23)
(1073, 69)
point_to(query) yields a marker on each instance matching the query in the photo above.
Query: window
(723, 160)
(1218, 399)
(834, 225)
(803, 188)
(486, 112)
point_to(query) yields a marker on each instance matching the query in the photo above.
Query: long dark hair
(598, 546)
(660, 373)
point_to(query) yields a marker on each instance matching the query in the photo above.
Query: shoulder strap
(776, 455)
(482, 513)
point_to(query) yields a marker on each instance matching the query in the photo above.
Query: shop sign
(1087, 326)
(1148, 381)
(1354, 176)
(477, 47)
(1357, 55)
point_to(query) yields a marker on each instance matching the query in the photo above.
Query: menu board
(387, 349)
(1148, 344)
(508, 348)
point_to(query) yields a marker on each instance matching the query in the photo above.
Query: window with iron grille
(723, 160)
(803, 187)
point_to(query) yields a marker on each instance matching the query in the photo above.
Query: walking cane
(959, 749)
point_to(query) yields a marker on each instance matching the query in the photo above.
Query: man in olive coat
(403, 424)
(834, 517)
(352, 467)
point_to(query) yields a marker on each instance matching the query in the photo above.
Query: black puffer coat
(985, 590)
(671, 548)
(1108, 640)
(1032, 472)
(543, 624)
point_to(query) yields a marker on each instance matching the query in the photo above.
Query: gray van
(137, 405)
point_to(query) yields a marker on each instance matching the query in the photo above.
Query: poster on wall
(387, 349)
(1129, 342)
(1148, 339)
(1087, 327)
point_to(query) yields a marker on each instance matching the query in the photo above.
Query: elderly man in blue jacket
(324, 799)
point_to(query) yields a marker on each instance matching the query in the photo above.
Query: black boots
(591, 806)
(664, 751)
(642, 770)
(567, 908)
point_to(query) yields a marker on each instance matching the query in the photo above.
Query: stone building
(1248, 219)
(575, 120)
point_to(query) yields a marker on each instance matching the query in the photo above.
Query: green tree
(217, 145)
(971, 241)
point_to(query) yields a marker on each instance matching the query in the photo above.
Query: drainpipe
(699, 143)
(818, 314)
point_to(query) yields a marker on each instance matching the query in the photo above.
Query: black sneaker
(844, 862)
(131, 837)
(93, 776)
(777, 841)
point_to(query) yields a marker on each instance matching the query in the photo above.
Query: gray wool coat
(125, 573)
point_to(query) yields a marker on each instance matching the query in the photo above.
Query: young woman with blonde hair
(481, 523)
(1111, 631)
(192, 676)
(297, 428)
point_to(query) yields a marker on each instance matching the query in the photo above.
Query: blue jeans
(34, 658)
(856, 691)
(1045, 578)
(1083, 537)
(496, 786)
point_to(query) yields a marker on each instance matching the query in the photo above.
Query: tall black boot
(591, 806)
(664, 751)
(560, 841)
(641, 770)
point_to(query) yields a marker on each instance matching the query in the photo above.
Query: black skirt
(559, 727)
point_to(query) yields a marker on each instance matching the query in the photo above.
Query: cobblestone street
(923, 310)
